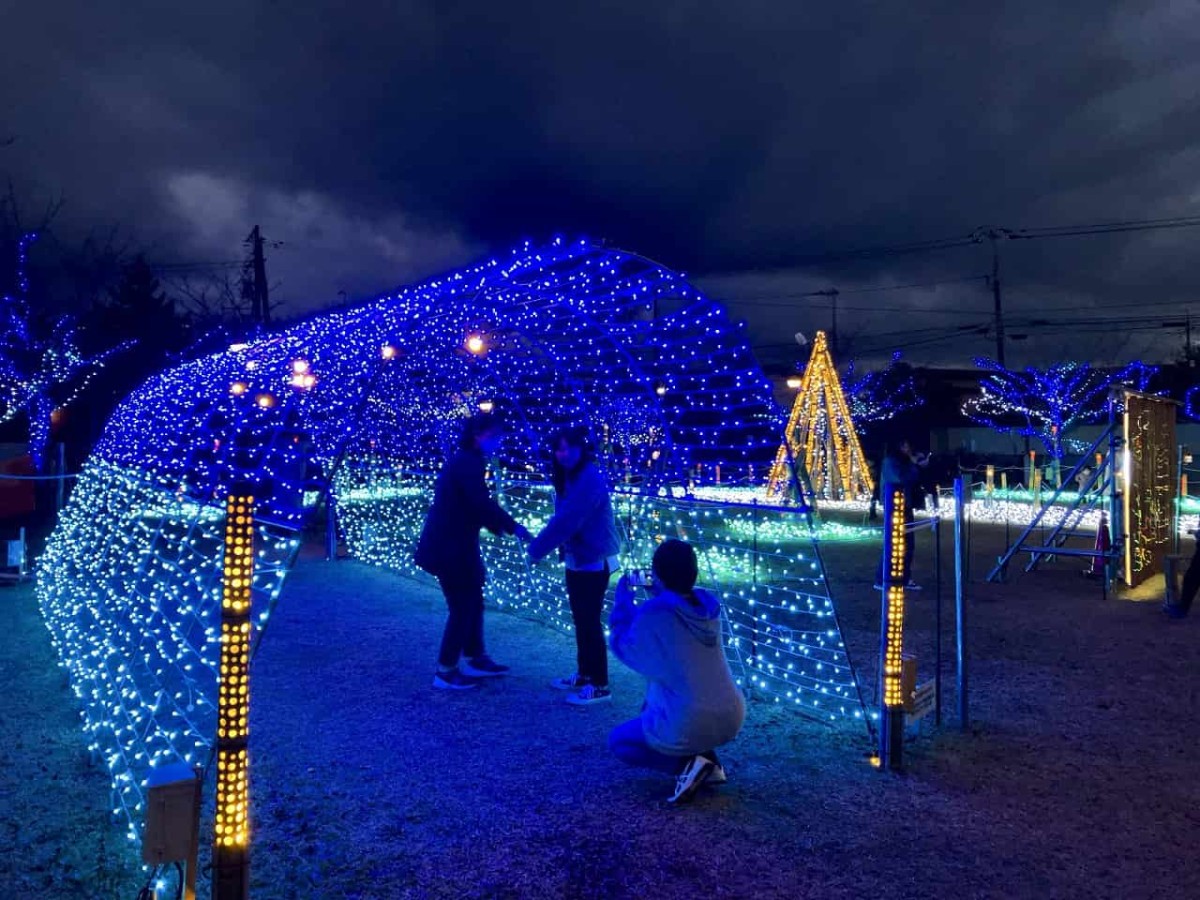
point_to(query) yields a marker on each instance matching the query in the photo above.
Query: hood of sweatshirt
(702, 618)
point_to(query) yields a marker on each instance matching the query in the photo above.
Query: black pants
(910, 545)
(586, 592)
(1191, 581)
(464, 626)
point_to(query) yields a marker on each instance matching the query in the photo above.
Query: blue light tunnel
(362, 404)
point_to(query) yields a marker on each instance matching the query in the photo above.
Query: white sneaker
(589, 694)
(453, 680)
(717, 775)
(569, 682)
(694, 774)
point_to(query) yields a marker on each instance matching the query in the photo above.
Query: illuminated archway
(364, 403)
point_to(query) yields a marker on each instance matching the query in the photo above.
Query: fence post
(937, 617)
(1180, 490)
(60, 488)
(960, 605)
(330, 529)
(231, 834)
(754, 585)
(891, 632)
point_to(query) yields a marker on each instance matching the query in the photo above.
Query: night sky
(749, 144)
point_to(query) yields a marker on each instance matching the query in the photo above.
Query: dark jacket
(899, 471)
(583, 523)
(449, 544)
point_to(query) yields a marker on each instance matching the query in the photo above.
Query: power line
(188, 267)
(904, 309)
(1106, 227)
(870, 290)
(993, 235)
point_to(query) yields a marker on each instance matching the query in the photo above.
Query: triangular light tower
(820, 433)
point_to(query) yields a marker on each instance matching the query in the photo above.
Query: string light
(821, 435)
(131, 583)
(1048, 404)
(881, 395)
(42, 370)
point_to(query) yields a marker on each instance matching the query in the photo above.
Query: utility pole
(999, 311)
(833, 332)
(260, 306)
(993, 235)
(832, 294)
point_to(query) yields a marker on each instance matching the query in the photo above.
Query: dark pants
(1191, 581)
(464, 626)
(628, 743)
(910, 544)
(586, 592)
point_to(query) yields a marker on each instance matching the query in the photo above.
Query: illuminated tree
(1192, 403)
(42, 367)
(880, 395)
(1048, 404)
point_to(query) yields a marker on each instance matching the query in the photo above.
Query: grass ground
(1077, 777)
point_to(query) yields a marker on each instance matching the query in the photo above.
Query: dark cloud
(384, 141)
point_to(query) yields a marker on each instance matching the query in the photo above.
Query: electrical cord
(146, 893)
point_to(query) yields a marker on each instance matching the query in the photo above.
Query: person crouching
(692, 704)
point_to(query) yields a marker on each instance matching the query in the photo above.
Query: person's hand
(624, 590)
(523, 534)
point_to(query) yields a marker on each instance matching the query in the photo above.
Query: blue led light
(882, 394)
(1048, 404)
(42, 368)
(365, 403)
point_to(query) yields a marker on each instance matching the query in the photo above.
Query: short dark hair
(478, 424)
(676, 566)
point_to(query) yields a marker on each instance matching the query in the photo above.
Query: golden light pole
(231, 833)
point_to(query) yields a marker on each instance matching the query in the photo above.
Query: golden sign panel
(1150, 489)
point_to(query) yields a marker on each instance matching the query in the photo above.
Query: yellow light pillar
(891, 632)
(231, 833)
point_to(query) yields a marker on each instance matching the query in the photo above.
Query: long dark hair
(572, 436)
(478, 424)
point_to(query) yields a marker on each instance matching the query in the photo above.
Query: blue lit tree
(878, 395)
(42, 367)
(1191, 406)
(1048, 404)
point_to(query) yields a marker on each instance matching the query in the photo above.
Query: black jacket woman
(449, 550)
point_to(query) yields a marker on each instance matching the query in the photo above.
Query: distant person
(692, 704)
(449, 550)
(901, 470)
(873, 468)
(584, 530)
(1191, 584)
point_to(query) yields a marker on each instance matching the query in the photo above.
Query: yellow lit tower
(821, 434)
